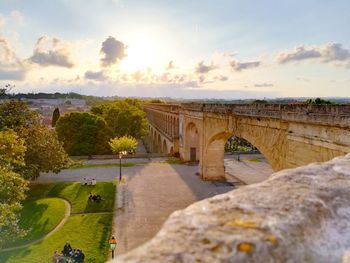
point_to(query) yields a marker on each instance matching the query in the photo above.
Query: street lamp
(120, 163)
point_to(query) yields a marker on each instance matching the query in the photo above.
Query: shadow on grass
(78, 196)
(30, 221)
(106, 232)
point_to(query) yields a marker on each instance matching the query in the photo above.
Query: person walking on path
(112, 244)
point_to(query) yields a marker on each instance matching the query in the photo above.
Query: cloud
(11, 67)
(52, 52)
(95, 75)
(12, 74)
(201, 78)
(263, 85)
(239, 66)
(14, 16)
(221, 78)
(2, 21)
(137, 75)
(17, 16)
(330, 52)
(113, 51)
(304, 79)
(201, 68)
(231, 54)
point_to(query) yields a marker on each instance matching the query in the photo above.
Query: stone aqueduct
(287, 135)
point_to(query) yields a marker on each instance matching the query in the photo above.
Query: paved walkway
(152, 194)
(251, 169)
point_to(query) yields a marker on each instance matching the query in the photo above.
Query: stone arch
(192, 142)
(164, 147)
(154, 141)
(159, 144)
(214, 162)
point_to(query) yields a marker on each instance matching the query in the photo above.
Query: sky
(227, 49)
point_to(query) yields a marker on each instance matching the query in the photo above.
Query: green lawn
(78, 195)
(253, 160)
(96, 165)
(85, 230)
(39, 217)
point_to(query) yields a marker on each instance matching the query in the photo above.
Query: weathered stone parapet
(297, 215)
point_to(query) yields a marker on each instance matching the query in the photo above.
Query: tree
(12, 185)
(123, 144)
(55, 116)
(15, 115)
(124, 117)
(12, 192)
(44, 151)
(83, 133)
(12, 150)
(5, 90)
(318, 101)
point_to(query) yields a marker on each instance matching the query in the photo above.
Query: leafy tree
(12, 192)
(124, 117)
(55, 116)
(259, 101)
(123, 144)
(5, 90)
(83, 133)
(15, 115)
(318, 101)
(12, 185)
(44, 151)
(156, 101)
(12, 150)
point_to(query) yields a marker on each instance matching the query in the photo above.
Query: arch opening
(192, 143)
(164, 148)
(230, 157)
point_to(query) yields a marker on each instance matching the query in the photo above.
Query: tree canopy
(12, 150)
(15, 115)
(126, 144)
(12, 185)
(83, 133)
(55, 116)
(124, 117)
(26, 149)
(44, 151)
(318, 101)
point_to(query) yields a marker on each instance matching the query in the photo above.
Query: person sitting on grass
(81, 256)
(93, 181)
(95, 198)
(56, 256)
(67, 250)
(61, 258)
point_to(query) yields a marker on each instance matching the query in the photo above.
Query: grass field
(89, 230)
(78, 194)
(253, 160)
(96, 165)
(39, 217)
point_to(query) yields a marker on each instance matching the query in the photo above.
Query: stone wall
(297, 215)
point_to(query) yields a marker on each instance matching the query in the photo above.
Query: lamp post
(120, 164)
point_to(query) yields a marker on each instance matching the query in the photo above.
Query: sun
(144, 51)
